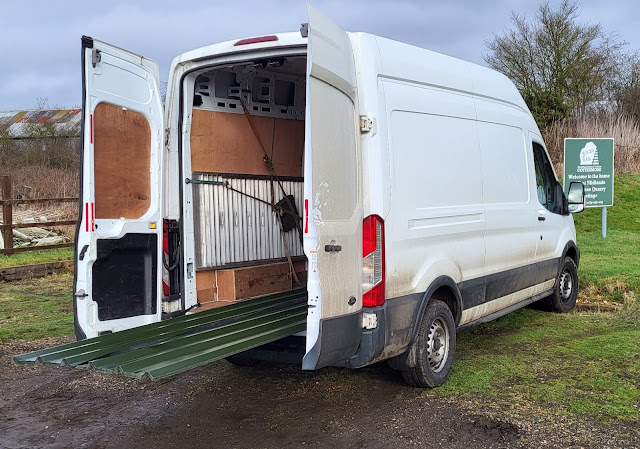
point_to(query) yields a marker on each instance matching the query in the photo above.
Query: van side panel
(510, 216)
(436, 220)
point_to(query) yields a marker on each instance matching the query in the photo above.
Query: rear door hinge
(96, 57)
(366, 124)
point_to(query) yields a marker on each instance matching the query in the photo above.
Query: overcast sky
(40, 40)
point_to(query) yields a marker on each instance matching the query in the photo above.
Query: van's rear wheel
(435, 346)
(565, 291)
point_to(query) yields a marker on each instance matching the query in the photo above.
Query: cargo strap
(272, 175)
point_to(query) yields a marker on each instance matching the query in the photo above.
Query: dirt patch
(265, 406)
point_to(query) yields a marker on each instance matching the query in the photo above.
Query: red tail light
(256, 40)
(373, 264)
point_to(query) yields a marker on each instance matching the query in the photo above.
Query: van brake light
(373, 264)
(256, 40)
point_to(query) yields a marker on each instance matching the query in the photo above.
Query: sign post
(590, 161)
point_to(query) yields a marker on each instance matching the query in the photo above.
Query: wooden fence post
(7, 212)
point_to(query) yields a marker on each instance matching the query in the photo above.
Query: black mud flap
(338, 340)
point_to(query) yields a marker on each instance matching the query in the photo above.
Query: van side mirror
(575, 197)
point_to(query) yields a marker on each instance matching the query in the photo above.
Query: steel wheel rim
(566, 285)
(438, 345)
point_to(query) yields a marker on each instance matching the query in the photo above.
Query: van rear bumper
(392, 336)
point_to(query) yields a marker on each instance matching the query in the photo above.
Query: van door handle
(332, 248)
(84, 250)
(541, 218)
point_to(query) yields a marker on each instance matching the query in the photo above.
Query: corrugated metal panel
(162, 349)
(233, 228)
(19, 124)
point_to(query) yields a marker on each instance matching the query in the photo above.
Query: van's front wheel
(435, 346)
(565, 291)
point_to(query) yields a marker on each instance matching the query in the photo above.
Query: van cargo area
(245, 192)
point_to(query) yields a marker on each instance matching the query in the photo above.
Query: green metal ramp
(159, 350)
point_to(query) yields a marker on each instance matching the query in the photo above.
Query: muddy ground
(268, 406)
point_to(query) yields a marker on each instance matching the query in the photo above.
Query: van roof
(400, 60)
(284, 40)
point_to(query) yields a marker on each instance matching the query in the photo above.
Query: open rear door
(333, 212)
(118, 245)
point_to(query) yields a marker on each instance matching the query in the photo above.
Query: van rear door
(118, 245)
(333, 211)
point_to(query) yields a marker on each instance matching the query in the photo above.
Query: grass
(36, 308)
(610, 267)
(33, 257)
(572, 365)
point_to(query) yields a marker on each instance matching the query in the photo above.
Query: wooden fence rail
(7, 202)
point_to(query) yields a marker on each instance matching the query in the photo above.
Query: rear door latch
(332, 248)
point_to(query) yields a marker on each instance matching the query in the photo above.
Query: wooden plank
(38, 224)
(300, 267)
(36, 270)
(259, 280)
(224, 143)
(39, 201)
(225, 285)
(205, 286)
(262, 280)
(122, 161)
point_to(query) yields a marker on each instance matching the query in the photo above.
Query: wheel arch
(570, 250)
(445, 289)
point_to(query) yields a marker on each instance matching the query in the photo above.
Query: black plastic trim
(491, 287)
(80, 334)
(372, 341)
(124, 276)
(570, 245)
(181, 266)
(441, 281)
(87, 42)
(506, 310)
(338, 339)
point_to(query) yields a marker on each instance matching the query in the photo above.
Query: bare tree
(626, 89)
(560, 66)
(42, 103)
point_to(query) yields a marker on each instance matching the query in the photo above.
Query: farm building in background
(48, 137)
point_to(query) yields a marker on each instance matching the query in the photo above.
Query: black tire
(565, 290)
(437, 332)
(237, 360)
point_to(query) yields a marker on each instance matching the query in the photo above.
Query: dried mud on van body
(268, 406)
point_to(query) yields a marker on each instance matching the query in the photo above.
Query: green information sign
(590, 161)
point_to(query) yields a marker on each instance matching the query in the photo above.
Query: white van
(409, 192)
